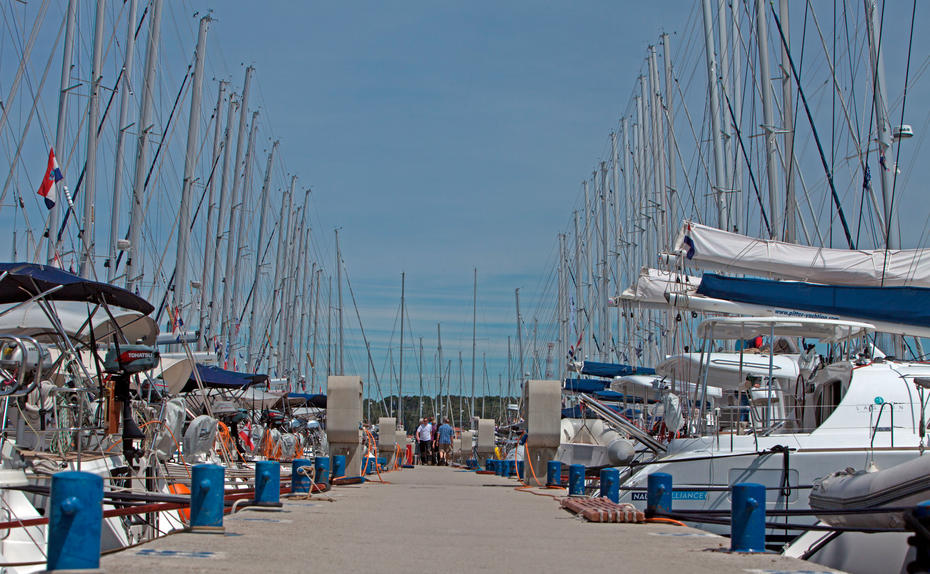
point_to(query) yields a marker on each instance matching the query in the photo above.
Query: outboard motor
(121, 362)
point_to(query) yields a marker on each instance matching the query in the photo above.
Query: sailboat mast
(439, 352)
(190, 163)
(277, 298)
(235, 199)
(121, 128)
(143, 127)
(245, 184)
(768, 121)
(604, 320)
(339, 300)
(719, 184)
(209, 238)
(882, 125)
(420, 411)
(671, 142)
(519, 335)
(64, 90)
(400, 373)
(90, 176)
(216, 307)
(474, 339)
(253, 317)
(787, 112)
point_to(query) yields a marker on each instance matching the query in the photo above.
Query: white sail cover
(653, 284)
(713, 248)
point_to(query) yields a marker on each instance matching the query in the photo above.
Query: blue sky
(438, 136)
(442, 137)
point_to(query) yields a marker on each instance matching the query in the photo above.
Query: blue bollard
(510, 468)
(610, 484)
(267, 483)
(207, 485)
(554, 473)
(659, 493)
(339, 466)
(520, 469)
(500, 467)
(74, 521)
(472, 463)
(300, 483)
(321, 464)
(576, 480)
(747, 530)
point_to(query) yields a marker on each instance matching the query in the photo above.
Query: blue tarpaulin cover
(585, 385)
(611, 370)
(905, 305)
(217, 378)
(22, 281)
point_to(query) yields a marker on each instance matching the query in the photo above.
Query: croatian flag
(48, 189)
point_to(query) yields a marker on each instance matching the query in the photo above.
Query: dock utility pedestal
(543, 427)
(343, 419)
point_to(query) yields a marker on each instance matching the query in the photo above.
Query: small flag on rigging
(49, 188)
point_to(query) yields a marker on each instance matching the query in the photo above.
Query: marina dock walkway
(438, 519)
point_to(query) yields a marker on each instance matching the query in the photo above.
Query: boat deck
(438, 519)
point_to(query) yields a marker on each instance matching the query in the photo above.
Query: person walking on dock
(445, 433)
(424, 438)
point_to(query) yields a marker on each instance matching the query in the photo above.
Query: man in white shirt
(424, 438)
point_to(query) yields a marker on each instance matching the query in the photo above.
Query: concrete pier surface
(439, 519)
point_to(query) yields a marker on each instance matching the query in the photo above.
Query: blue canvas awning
(902, 305)
(611, 370)
(585, 385)
(217, 378)
(23, 281)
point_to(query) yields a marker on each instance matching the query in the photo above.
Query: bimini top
(23, 281)
(826, 330)
(217, 378)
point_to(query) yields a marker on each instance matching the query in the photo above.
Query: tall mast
(439, 352)
(277, 298)
(723, 213)
(400, 373)
(605, 327)
(209, 238)
(736, 100)
(474, 339)
(259, 247)
(579, 302)
(64, 90)
(561, 300)
(671, 142)
(244, 186)
(420, 411)
(296, 289)
(190, 164)
(235, 199)
(787, 112)
(90, 177)
(509, 370)
(768, 120)
(143, 127)
(519, 335)
(723, 72)
(339, 291)
(658, 154)
(882, 124)
(329, 329)
(617, 236)
(588, 273)
(216, 307)
(121, 128)
(316, 317)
